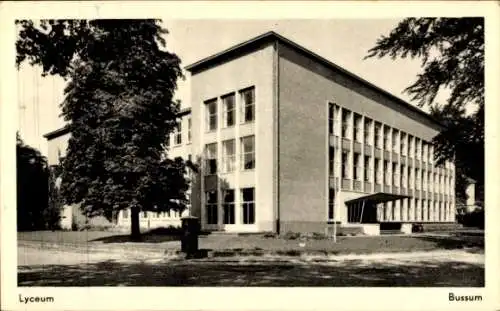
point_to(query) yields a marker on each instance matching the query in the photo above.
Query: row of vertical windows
(247, 205)
(247, 109)
(422, 210)
(145, 214)
(402, 175)
(384, 137)
(247, 156)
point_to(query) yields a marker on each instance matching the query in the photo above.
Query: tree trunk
(135, 233)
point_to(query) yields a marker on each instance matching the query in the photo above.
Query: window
(125, 213)
(357, 166)
(387, 173)
(229, 206)
(248, 152)
(429, 181)
(144, 214)
(248, 105)
(387, 143)
(189, 130)
(378, 171)
(211, 115)
(431, 154)
(358, 122)
(403, 176)
(346, 133)
(410, 178)
(331, 118)
(395, 174)
(178, 133)
(331, 204)
(331, 161)
(418, 148)
(378, 135)
(248, 205)
(211, 159)
(368, 131)
(229, 156)
(367, 168)
(411, 146)
(425, 147)
(429, 210)
(228, 110)
(436, 183)
(403, 143)
(395, 143)
(345, 164)
(417, 178)
(424, 180)
(211, 207)
(422, 211)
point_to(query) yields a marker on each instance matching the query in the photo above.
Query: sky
(342, 41)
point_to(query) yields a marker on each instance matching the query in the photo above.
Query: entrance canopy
(377, 198)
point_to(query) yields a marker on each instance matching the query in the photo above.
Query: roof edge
(271, 34)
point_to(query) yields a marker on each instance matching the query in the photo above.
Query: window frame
(209, 115)
(226, 111)
(247, 207)
(228, 206)
(226, 157)
(244, 153)
(209, 157)
(211, 208)
(245, 105)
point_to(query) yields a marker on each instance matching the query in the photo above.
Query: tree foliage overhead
(451, 51)
(119, 105)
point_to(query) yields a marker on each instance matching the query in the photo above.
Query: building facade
(288, 141)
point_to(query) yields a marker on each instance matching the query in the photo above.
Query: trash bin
(191, 230)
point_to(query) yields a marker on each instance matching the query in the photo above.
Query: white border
(248, 298)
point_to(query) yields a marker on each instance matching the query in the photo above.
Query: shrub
(291, 235)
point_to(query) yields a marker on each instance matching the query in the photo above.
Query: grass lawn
(259, 243)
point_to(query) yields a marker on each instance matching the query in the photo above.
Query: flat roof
(272, 36)
(66, 129)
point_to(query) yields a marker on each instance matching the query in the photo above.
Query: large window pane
(211, 159)
(248, 105)
(248, 152)
(211, 207)
(248, 205)
(229, 110)
(229, 206)
(229, 155)
(211, 115)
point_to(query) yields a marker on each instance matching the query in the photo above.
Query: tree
(33, 209)
(120, 108)
(452, 55)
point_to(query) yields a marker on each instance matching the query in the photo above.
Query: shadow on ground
(352, 273)
(455, 242)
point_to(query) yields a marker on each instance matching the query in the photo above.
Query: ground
(106, 265)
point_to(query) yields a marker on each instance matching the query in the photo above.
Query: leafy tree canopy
(452, 54)
(119, 104)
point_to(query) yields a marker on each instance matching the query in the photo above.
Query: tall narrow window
(248, 105)
(387, 142)
(423, 210)
(189, 130)
(331, 161)
(424, 180)
(229, 155)
(358, 123)
(211, 115)
(402, 139)
(378, 171)
(425, 147)
(178, 133)
(229, 110)
(395, 174)
(378, 135)
(417, 178)
(368, 131)
(229, 206)
(357, 166)
(346, 122)
(211, 159)
(368, 168)
(411, 146)
(387, 173)
(429, 181)
(345, 164)
(395, 142)
(331, 118)
(211, 207)
(418, 148)
(248, 205)
(331, 204)
(403, 176)
(248, 152)
(409, 178)
(431, 154)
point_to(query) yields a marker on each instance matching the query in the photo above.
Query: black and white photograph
(249, 153)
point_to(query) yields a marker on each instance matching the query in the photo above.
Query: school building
(288, 141)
